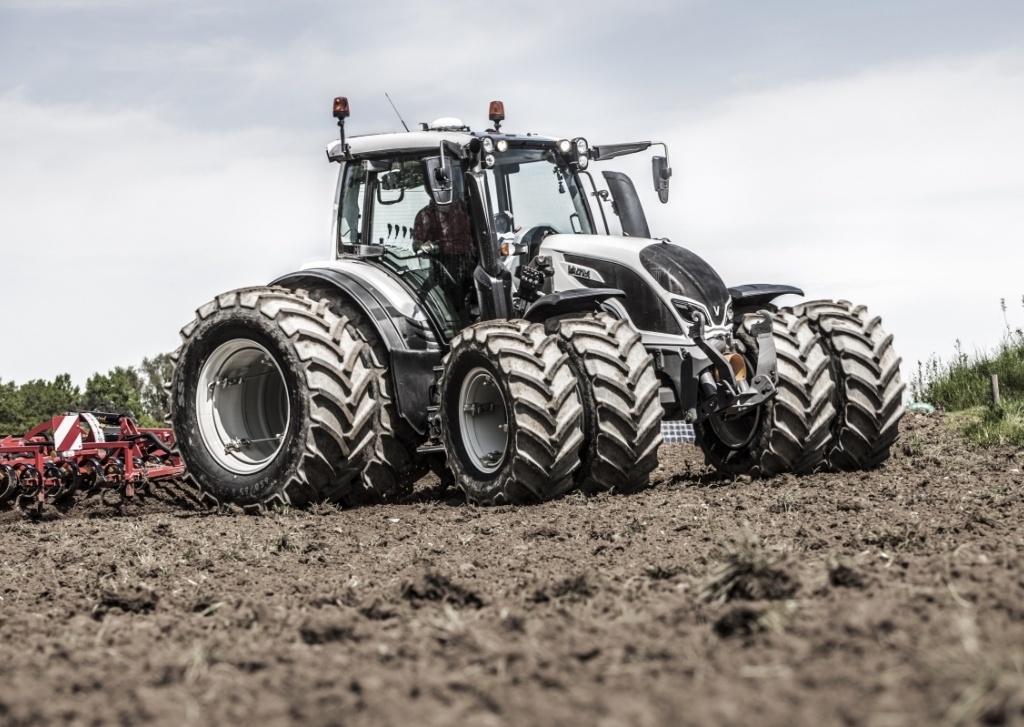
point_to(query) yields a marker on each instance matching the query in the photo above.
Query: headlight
(583, 161)
(489, 160)
(488, 144)
(581, 146)
(502, 145)
(564, 146)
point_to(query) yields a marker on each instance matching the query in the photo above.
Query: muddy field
(889, 598)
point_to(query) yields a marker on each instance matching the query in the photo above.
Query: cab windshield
(529, 189)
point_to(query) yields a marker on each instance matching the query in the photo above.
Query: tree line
(138, 391)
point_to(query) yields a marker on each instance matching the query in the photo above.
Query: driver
(449, 226)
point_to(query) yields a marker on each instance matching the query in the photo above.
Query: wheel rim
(483, 420)
(242, 406)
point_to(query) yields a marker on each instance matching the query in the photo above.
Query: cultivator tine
(69, 476)
(52, 483)
(31, 481)
(91, 474)
(9, 483)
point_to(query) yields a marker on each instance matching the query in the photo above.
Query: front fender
(400, 323)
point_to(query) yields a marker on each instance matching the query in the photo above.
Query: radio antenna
(396, 110)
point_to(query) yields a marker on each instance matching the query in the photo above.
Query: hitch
(433, 444)
(728, 398)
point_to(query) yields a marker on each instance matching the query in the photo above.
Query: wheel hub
(483, 420)
(242, 406)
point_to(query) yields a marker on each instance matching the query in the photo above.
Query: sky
(156, 153)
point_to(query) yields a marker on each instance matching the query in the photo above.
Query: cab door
(384, 205)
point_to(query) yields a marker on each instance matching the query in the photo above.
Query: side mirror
(438, 172)
(662, 173)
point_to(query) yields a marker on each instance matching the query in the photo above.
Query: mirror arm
(668, 164)
(600, 200)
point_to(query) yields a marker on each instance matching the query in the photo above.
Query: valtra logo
(581, 273)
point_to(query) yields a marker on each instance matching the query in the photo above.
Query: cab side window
(350, 212)
(398, 194)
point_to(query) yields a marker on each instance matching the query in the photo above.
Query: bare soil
(894, 597)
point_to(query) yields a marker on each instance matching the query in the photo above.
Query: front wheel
(869, 391)
(510, 414)
(273, 400)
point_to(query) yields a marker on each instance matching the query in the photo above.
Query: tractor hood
(665, 284)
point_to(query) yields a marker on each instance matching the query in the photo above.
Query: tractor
(478, 318)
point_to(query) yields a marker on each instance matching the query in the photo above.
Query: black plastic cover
(681, 272)
(627, 205)
(756, 295)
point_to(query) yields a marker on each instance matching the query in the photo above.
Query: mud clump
(136, 599)
(747, 572)
(329, 626)
(438, 588)
(845, 576)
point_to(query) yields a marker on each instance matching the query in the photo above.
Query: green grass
(990, 426)
(963, 385)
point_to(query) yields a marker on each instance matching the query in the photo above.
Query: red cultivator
(91, 451)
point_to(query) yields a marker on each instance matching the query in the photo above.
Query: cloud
(899, 187)
(117, 225)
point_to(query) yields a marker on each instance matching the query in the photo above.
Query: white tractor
(478, 318)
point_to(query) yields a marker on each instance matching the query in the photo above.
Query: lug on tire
(622, 411)
(869, 391)
(273, 400)
(792, 432)
(511, 416)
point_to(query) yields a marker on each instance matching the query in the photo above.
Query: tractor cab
(456, 215)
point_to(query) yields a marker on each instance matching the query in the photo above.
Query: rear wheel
(622, 411)
(791, 432)
(273, 400)
(869, 391)
(511, 417)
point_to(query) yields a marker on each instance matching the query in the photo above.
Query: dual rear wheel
(276, 400)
